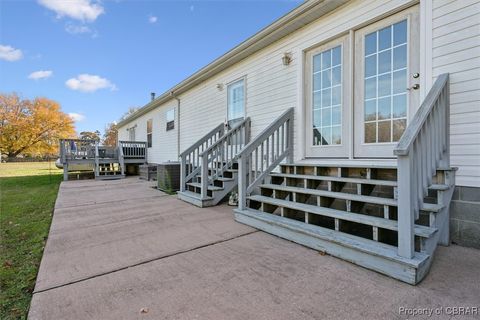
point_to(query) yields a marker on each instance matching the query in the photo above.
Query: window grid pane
(327, 97)
(236, 99)
(385, 82)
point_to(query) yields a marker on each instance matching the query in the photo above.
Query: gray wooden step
(421, 231)
(337, 179)
(219, 178)
(370, 254)
(347, 196)
(199, 185)
(337, 164)
(441, 187)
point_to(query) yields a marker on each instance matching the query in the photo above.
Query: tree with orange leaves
(32, 126)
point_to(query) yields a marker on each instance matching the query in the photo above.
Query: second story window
(170, 119)
(131, 134)
(149, 133)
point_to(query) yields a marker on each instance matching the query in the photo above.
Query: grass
(27, 197)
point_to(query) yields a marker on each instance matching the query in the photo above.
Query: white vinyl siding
(164, 147)
(456, 50)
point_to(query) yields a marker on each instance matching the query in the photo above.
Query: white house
(369, 105)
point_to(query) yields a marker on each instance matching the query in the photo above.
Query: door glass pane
(236, 99)
(385, 82)
(327, 97)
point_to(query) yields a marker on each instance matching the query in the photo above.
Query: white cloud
(10, 54)
(84, 10)
(77, 117)
(74, 29)
(80, 29)
(89, 83)
(41, 74)
(152, 19)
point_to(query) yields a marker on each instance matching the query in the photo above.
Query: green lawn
(27, 197)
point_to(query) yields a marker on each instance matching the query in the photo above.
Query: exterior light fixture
(219, 86)
(287, 58)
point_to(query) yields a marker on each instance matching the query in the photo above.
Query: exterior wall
(164, 143)
(465, 217)
(271, 88)
(456, 49)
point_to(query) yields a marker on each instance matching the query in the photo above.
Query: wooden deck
(109, 162)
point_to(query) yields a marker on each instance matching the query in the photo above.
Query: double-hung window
(170, 119)
(131, 134)
(149, 132)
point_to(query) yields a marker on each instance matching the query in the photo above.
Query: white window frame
(243, 80)
(131, 133)
(150, 134)
(167, 122)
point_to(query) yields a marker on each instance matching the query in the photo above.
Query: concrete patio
(124, 250)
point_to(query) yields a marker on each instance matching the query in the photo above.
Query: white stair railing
(190, 158)
(223, 153)
(259, 157)
(424, 146)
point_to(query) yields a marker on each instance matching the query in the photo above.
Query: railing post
(290, 139)
(183, 172)
(242, 183)
(445, 161)
(97, 173)
(121, 159)
(146, 152)
(204, 176)
(406, 241)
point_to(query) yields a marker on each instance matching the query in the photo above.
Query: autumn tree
(32, 126)
(90, 135)
(111, 135)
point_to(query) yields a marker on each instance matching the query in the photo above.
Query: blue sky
(98, 58)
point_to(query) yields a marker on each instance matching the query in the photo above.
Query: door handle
(416, 86)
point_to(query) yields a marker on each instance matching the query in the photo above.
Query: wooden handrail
(221, 155)
(226, 136)
(211, 133)
(406, 141)
(263, 154)
(424, 147)
(190, 158)
(134, 149)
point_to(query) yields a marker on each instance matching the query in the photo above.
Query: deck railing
(424, 147)
(223, 153)
(72, 149)
(133, 149)
(190, 158)
(261, 155)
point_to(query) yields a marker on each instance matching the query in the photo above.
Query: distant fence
(30, 159)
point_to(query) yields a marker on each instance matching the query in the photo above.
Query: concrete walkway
(123, 250)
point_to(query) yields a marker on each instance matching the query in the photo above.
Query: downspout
(172, 94)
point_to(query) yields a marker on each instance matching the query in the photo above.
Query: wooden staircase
(385, 217)
(350, 212)
(209, 167)
(109, 170)
(217, 189)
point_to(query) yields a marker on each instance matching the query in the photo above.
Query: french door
(385, 89)
(327, 87)
(386, 83)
